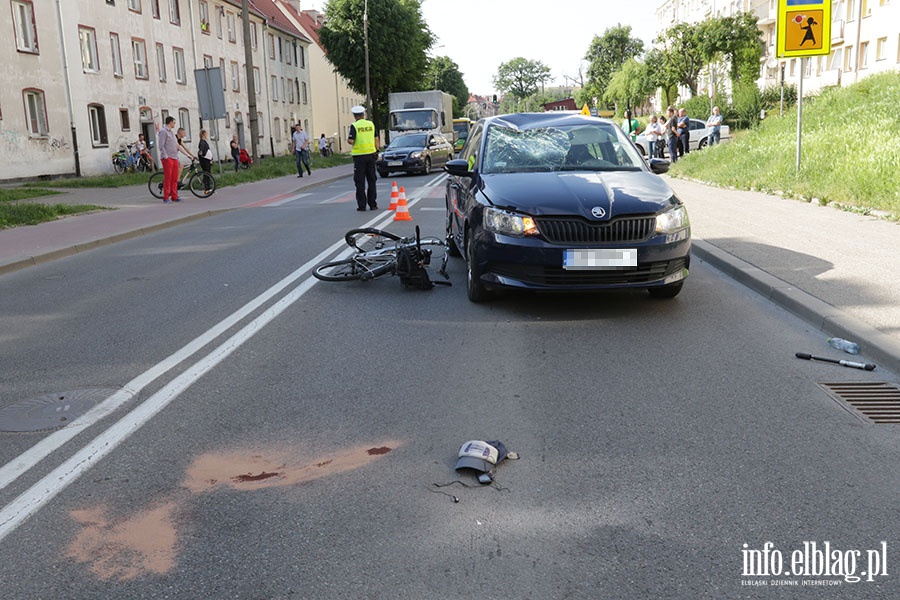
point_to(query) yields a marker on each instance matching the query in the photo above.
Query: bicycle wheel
(369, 238)
(155, 184)
(143, 166)
(202, 184)
(355, 268)
(119, 166)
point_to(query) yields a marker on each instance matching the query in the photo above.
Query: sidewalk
(837, 270)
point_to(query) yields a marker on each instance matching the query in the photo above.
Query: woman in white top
(652, 134)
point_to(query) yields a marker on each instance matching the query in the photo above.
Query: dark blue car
(563, 201)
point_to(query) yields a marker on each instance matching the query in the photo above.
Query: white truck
(430, 110)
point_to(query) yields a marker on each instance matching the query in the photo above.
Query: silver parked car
(699, 136)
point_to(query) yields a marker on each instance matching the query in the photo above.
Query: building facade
(865, 39)
(85, 77)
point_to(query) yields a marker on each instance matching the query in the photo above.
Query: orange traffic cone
(402, 213)
(395, 196)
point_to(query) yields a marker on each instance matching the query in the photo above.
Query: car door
(461, 190)
(699, 133)
(442, 152)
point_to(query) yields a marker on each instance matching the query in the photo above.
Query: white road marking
(30, 501)
(289, 199)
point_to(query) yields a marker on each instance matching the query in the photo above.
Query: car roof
(554, 118)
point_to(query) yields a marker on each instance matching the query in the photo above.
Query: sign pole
(800, 110)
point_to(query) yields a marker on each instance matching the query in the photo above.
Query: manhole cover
(874, 402)
(51, 411)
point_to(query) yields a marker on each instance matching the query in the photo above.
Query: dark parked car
(563, 201)
(414, 153)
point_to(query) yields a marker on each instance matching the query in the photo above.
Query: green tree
(606, 55)
(735, 39)
(396, 29)
(443, 74)
(520, 77)
(684, 54)
(629, 86)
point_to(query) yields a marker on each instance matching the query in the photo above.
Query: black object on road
(846, 363)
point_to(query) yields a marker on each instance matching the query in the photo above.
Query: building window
(303, 92)
(161, 61)
(207, 61)
(280, 51)
(224, 80)
(253, 35)
(276, 127)
(848, 58)
(204, 16)
(302, 57)
(261, 121)
(139, 47)
(271, 46)
(90, 62)
(26, 32)
(174, 12)
(881, 49)
(125, 119)
(290, 91)
(220, 14)
(235, 77)
(116, 54)
(289, 52)
(256, 81)
(134, 5)
(232, 37)
(36, 113)
(274, 88)
(154, 8)
(178, 55)
(863, 55)
(283, 91)
(184, 120)
(98, 125)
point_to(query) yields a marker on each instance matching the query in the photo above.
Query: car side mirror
(659, 165)
(459, 167)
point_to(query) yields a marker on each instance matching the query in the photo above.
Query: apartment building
(85, 77)
(332, 96)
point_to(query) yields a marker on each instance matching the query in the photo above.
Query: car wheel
(475, 290)
(666, 291)
(452, 248)
(427, 168)
(641, 148)
(703, 143)
(383, 174)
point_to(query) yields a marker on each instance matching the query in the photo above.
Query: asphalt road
(276, 437)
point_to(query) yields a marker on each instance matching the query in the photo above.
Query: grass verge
(13, 214)
(847, 155)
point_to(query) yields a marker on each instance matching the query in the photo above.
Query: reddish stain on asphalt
(260, 477)
(324, 464)
(377, 451)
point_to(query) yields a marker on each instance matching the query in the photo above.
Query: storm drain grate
(51, 411)
(878, 401)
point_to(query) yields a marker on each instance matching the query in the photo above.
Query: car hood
(402, 149)
(560, 193)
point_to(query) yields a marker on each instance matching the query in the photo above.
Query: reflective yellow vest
(365, 138)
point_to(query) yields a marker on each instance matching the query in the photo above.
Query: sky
(480, 35)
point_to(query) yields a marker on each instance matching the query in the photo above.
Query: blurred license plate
(395, 163)
(598, 259)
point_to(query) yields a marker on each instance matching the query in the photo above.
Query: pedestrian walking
(301, 150)
(235, 152)
(364, 146)
(168, 155)
(714, 122)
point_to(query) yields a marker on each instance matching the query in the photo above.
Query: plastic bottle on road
(848, 347)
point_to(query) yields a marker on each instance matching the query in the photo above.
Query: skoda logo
(598, 212)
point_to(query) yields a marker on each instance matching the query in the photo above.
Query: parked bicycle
(201, 183)
(128, 158)
(379, 253)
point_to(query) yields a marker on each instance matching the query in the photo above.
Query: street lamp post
(366, 34)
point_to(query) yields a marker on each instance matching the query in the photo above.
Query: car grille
(395, 156)
(579, 231)
(557, 276)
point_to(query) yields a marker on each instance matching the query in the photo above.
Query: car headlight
(672, 220)
(415, 154)
(508, 223)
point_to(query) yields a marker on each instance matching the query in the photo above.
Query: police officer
(364, 148)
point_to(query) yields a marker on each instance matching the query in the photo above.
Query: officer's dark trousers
(363, 173)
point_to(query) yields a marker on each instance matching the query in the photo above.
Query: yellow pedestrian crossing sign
(803, 28)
